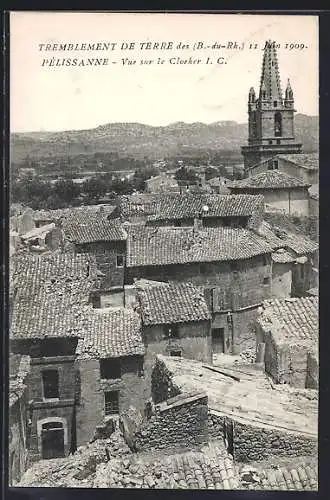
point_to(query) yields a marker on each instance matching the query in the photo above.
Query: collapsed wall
(180, 422)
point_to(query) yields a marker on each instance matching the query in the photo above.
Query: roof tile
(51, 290)
(172, 303)
(111, 334)
(163, 246)
(94, 229)
(174, 207)
(293, 320)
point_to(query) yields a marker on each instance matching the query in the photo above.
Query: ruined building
(271, 118)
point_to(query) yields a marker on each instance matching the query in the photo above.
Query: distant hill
(135, 139)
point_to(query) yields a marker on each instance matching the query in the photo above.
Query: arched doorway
(53, 437)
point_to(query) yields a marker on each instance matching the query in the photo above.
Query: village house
(287, 338)
(302, 166)
(208, 211)
(48, 315)
(19, 367)
(235, 272)
(176, 321)
(162, 183)
(110, 364)
(106, 240)
(280, 191)
(294, 260)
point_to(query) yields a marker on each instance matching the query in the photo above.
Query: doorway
(218, 340)
(52, 440)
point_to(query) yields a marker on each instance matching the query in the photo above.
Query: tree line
(40, 193)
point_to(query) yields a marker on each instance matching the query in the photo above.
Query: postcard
(164, 175)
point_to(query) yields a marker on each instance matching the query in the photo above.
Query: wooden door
(52, 438)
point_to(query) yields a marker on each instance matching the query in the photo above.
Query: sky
(48, 98)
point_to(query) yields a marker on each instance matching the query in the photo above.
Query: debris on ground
(76, 470)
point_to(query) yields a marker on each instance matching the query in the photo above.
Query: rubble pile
(248, 355)
(190, 470)
(76, 470)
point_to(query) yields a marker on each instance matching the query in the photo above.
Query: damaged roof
(280, 237)
(189, 470)
(303, 477)
(51, 292)
(147, 246)
(270, 179)
(93, 229)
(292, 320)
(172, 303)
(110, 334)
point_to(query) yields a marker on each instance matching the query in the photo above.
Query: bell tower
(271, 118)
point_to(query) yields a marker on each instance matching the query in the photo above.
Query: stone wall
(253, 443)
(178, 423)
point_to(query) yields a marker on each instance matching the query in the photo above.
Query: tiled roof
(148, 246)
(292, 320)
(193, 470)
(94, 229)
(306, 160)
(301, 477)
(51, 290)
(111, 334)
(218, 205)
(279, 237)
(172, 303)
(270, 179)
